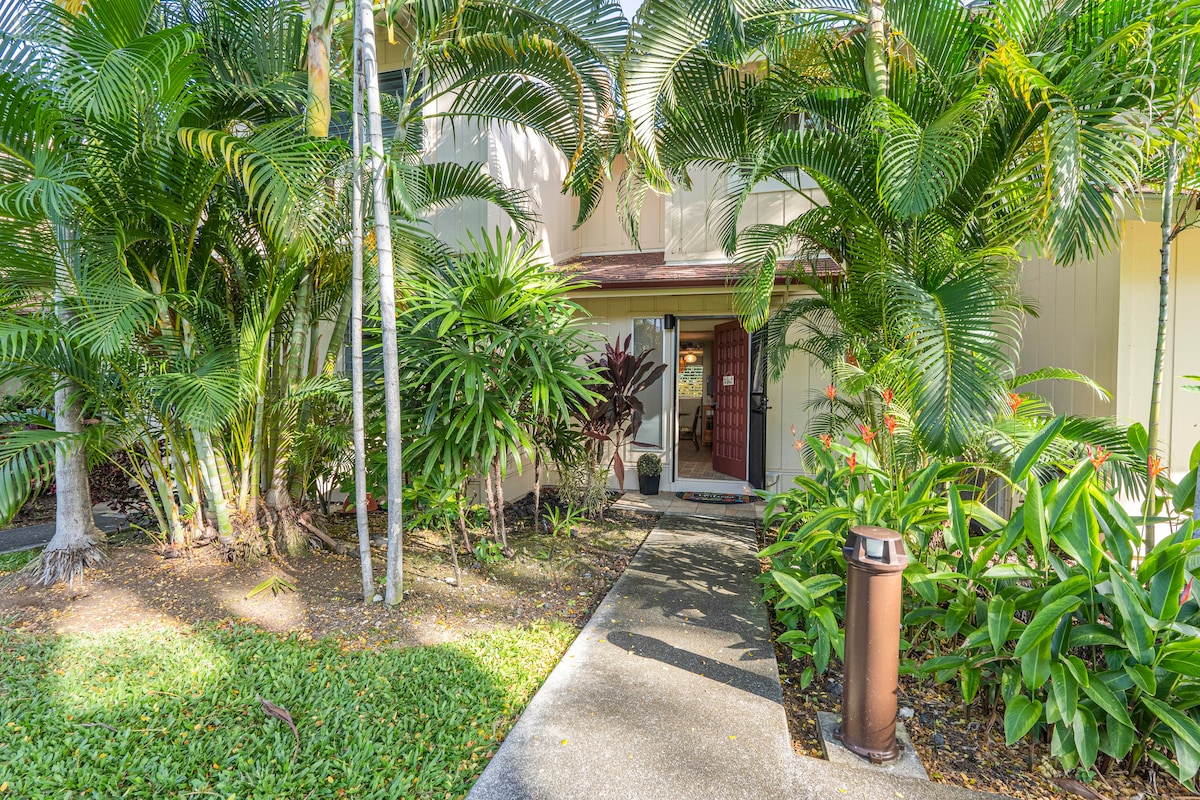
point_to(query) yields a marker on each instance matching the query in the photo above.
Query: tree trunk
(316, 121)
(498, 483)
(877, 62)
(76, 544)
(77, 541)
(356, 326)
(1160, 344)
(387, 309)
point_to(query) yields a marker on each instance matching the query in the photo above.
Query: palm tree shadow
(719, 671)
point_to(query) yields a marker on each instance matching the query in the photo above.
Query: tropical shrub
(1052, 613)
(491, 363)
(649, 465)
(1057, 615)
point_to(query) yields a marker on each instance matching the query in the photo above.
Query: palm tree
(491, 346)
(1177, 128)
(937, 150)
(547, 69)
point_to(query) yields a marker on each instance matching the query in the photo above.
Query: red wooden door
(731, 396)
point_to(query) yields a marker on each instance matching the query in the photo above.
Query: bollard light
(875, 561)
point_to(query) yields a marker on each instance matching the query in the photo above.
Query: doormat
(716, 497)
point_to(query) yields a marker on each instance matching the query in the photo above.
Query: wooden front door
(731, 396)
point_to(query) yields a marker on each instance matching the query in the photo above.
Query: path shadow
(649, 647)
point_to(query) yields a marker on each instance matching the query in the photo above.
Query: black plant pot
(648, 484)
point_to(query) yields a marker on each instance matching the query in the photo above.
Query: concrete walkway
(31, 536)
(671, 691)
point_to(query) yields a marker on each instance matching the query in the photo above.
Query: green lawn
(152, 712)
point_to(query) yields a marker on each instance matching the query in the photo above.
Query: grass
(153, 712)
(11, 562)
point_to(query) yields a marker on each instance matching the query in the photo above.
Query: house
(718, 424)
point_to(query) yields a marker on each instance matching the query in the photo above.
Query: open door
(731, 398)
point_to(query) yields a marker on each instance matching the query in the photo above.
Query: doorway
(712, 397)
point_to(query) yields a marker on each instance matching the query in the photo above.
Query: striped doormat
(716, 498)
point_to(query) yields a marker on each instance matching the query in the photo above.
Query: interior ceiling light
(690, 358)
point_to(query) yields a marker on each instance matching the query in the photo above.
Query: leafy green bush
(1054, 612)
(649, 465)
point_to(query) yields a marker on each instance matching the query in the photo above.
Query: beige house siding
(1140, 264)
(1075, 328)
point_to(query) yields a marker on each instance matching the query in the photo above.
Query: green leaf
(1000, 619)
(1181, 724)
(1030, 454)
(1065, 688)
(1035, 519)
(1143, 678)
(956, 533)
(1019, 718)
(1102, 695)
(1117, 740)
(1041, 627)
(1087, 738)
(793, 588)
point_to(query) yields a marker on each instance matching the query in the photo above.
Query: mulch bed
(136, 584)
(961, 746)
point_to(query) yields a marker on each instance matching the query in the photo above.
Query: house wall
(1140, 266)
(604, 232)
(1075, 328)
(523, 160)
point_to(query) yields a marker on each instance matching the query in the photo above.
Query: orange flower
(797, 445)
(1097, 456)
(889, 422)
(1186, 594)
(1154, 466)
(867, 434)
(831, 392)
(852, 461)
(888, 394)
(793, 431)
(827, 440)
(1014, 401)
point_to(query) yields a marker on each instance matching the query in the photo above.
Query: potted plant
(649, 469)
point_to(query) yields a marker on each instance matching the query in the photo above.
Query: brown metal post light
(875, 561)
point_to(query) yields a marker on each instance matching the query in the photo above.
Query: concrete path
(671, 692)
(32, 536)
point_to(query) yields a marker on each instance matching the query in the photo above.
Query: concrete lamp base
(907, 765)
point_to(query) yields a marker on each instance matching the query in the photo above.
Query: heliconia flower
(798, 445)
(1186, 594)
(831, 392)
(793, 431)
(889, 422)
(867, 434)
(827, 440)
(1154, 466)
(1097, 456)
(1014, 401)
(888, 394)
(852, 461)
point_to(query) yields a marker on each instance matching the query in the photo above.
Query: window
(648, 335)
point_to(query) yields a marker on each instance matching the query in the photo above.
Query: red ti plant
(614, 418)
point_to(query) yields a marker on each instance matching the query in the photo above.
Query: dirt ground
(136, 584)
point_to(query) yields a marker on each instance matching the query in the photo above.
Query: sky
(630, 6)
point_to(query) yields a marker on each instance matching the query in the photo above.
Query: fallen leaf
(1079, 789)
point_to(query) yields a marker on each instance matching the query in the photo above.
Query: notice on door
(727, 380)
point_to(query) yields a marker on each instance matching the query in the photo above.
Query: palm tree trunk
(877, 63)
(76, 544)
(387, 308)
(356, 327)
(217, 498)
(316, 121)
(1160, 344)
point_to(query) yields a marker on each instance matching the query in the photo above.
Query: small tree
(615, 417)
(491, 348)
